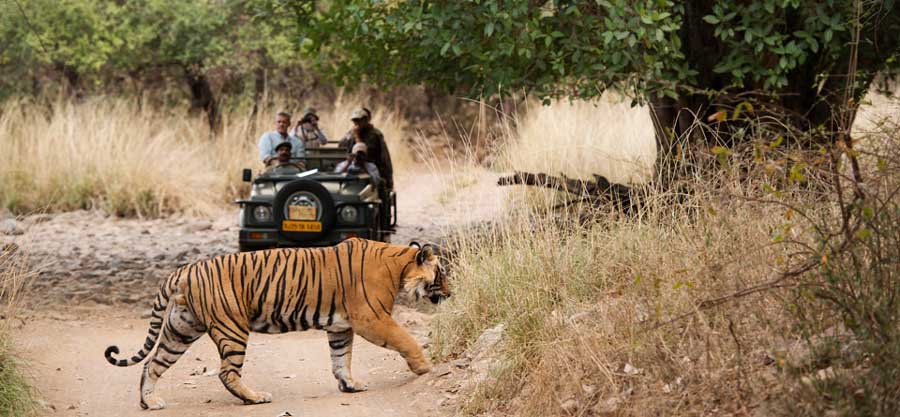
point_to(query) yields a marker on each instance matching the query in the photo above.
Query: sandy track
(66, 358)
(98, 274)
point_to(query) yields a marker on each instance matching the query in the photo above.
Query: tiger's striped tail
(156, 321)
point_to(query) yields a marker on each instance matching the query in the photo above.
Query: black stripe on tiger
(279, 290)
(156, 321)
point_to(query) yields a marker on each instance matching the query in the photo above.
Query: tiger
(346, 289)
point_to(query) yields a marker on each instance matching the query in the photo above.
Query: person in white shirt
(269, 140)
(356, 163)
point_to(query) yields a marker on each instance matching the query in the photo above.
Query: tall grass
(602, 317)
(16, 396)
(113, 155)
(577, 299)
(581, 138)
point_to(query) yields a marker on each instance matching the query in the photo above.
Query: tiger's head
(426, 279)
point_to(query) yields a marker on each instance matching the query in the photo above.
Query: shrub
(16, 396)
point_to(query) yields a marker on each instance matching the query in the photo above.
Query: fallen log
(598, 192)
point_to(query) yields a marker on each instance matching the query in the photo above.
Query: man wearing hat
(282, 164)
(356, 162)
(377, 150)
(308, 130)
(269, 140)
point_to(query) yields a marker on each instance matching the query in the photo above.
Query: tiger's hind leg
(181, 329)
(341, 344)
(231, 340)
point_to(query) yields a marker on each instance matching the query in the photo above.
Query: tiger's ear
(426, 254)
(415, 244)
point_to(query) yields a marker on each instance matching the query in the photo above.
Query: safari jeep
(314, 207)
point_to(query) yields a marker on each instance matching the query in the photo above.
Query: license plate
(298, 226)
(301, 213)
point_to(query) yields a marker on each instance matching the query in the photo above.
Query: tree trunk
(259, 83)
(73, 80)
(202, 97)
(811, 109)
(35, 84)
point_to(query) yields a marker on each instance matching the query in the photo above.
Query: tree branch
(599, 191)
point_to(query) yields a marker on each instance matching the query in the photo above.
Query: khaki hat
(284, 144)
(358, 114)
(359, 147)
(309, 111)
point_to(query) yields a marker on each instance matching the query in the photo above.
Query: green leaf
(711, 19)
(777, 142)
(863, 233)
(489, 29)
(813, 44)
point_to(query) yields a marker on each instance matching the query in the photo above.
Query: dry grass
(582, 302)
(606, 137)
(576, 300)
(112, 155)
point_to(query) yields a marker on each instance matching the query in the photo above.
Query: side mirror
(247, 175)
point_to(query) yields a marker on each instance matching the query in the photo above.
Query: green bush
(16, 396)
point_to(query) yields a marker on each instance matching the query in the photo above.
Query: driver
(282, 164)
(356, 163)
(268, 140)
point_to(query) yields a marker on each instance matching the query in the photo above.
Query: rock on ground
(10, 227)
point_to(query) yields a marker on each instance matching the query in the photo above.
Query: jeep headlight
(262, 214)
(349, 214)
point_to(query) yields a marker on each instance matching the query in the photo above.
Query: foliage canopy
(580, 48)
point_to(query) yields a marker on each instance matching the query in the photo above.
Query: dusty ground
(97, 277)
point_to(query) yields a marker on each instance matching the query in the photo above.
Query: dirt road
(98, 276)
(65, 356)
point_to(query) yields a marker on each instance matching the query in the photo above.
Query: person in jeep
(269, 140)
(356, 163)
(282, 164)
(377, 150)
(308, 131)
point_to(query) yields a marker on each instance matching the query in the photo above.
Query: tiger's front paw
(420, 368)
(350, 385)
(258, 398)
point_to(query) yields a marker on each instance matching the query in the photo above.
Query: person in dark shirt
(378, 153)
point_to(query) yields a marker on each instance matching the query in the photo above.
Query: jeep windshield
(344, 184)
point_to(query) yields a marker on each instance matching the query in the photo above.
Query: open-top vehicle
(313, 206)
